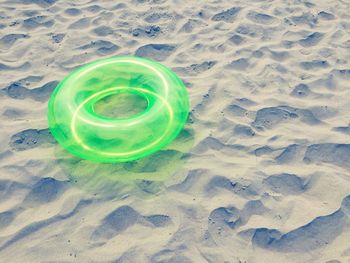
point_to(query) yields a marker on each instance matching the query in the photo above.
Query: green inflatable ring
(81, 131)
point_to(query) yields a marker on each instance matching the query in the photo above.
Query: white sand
(261, 173)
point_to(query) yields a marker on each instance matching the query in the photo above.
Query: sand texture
(261, 172)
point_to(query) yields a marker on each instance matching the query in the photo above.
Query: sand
(260, 173)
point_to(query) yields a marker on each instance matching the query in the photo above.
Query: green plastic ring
(81, 131)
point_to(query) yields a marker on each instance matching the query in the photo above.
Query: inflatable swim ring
(81, 131)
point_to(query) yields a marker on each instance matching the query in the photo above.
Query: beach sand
(260, 173)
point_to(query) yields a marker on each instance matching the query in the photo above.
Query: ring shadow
(146, 175)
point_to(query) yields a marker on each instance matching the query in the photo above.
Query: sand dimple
(260, 172)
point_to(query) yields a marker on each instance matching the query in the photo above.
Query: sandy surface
(261, 172)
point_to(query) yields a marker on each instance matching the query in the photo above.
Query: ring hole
(120, 105)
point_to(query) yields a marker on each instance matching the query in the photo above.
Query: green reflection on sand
(143, 175)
